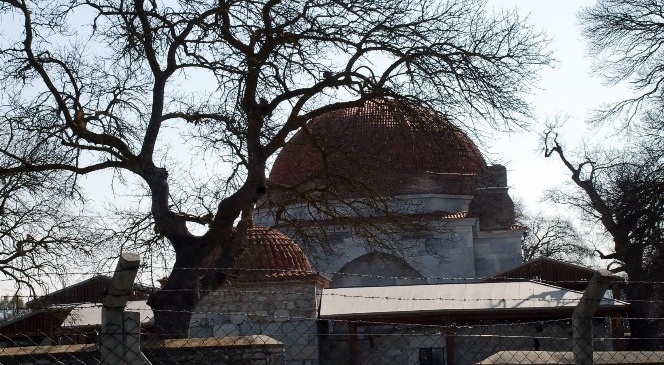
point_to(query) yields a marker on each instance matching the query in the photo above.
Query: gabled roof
(89, 290)
(51, 320)
(548, 270)
(410, 300)
(42, 322)
(92, 290)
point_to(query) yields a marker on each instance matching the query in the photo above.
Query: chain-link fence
(302, 322)
(312, 341)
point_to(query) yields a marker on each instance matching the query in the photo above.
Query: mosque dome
(380, 140)
(268, 254)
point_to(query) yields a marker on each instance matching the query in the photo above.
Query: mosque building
(382, 223)
(385, 238)
(442, 213)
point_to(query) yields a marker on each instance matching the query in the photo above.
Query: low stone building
(273, 291)
(464, 322)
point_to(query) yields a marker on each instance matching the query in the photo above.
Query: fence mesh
(285, 323)
(252, 340)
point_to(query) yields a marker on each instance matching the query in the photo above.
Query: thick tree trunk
(174, 303)
(202, 263)
(200, 266)
(646, 313)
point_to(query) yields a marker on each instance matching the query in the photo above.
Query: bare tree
(626, 196)
(11, 307)
(555, 237)
(623, 189)
(105, 85)
(40, 238)
(625, 38)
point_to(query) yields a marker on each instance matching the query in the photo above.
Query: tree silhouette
(106, 85)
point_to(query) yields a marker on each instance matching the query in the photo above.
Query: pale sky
(567, 89)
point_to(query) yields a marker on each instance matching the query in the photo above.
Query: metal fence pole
(120, 334)
(583, 315)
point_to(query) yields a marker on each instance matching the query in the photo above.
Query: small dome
(378, 140)
(268, 254)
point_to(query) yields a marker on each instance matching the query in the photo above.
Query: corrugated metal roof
(89, 314)
(412, 299)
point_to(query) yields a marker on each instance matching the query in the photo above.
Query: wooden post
(583, 315)
(618, 331)
(352, 343)
(449, 341)
(121, 330)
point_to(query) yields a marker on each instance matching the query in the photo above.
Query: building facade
(392, 194)
(384, 220)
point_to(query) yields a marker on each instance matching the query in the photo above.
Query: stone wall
(495, 252)
(385, 269)
(435, 249)
(492, 203)
(434, 245)
(474, 343)
(468, 343)
(248, 350)
(286, 311)
(385, 344)
(439, 251)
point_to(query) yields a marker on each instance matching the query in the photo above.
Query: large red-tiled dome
(268, 254)
(378, 139)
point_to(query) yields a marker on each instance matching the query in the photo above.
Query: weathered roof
(548, 270)
(449, 298)
(40, 322)
(89, 314)
(553, 357)
(268, 254)
(379, 137)
(89, 290)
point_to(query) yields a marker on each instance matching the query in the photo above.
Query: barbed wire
(332, 273)
(371, 345)
(333, 292)
(288, 322)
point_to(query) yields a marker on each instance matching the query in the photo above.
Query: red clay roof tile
(268, 253)
(376, 138)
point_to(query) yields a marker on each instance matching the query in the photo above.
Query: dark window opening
(432, 356)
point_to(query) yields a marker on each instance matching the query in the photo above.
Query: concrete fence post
(583, 315)
(121, 330)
